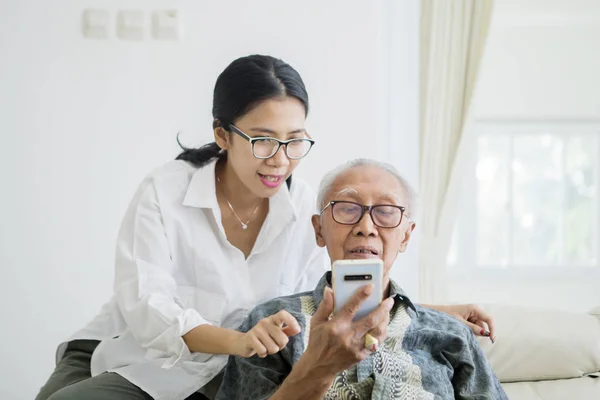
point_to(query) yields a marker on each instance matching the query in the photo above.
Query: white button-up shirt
(175, 270)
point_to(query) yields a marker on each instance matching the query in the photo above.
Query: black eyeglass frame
(280, 143)
(364, 209)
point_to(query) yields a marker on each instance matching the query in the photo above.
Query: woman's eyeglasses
(267, 147)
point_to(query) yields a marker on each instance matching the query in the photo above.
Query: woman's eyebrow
(272, 132)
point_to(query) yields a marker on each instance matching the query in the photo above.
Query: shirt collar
(395, 291)
(202, 191)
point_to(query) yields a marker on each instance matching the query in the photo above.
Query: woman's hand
(481, 323)
(269, 335)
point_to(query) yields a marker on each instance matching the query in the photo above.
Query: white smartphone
(348, 276)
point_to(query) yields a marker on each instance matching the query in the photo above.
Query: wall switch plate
(94, 23)
(166, 25)
(130, 25)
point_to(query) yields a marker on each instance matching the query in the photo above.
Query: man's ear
(316, 222)
(222, 138)
(407, 234)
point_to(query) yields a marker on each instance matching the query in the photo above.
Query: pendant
(244, 226)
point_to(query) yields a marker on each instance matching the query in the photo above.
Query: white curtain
(453, 34)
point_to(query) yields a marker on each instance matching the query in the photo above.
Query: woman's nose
(280, 158)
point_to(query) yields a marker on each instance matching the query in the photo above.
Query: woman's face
(277, 118)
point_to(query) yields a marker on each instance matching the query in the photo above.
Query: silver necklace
(244, 225)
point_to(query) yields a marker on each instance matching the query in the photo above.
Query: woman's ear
(316, 222)
(222, 138)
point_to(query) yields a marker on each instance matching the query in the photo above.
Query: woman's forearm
(212, 340)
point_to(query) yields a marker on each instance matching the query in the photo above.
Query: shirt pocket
(209, 305)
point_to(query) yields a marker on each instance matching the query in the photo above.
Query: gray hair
(329, 178)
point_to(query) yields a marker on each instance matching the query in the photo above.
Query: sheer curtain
(453, 35)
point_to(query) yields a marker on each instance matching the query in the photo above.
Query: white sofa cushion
(542, 344)
(584, 388)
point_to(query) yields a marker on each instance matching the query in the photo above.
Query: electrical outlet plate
(94, 23)
(166, 25)
(130, 25)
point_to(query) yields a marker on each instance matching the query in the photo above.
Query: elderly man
(422, 353)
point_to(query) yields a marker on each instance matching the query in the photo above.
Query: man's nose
(365, 227)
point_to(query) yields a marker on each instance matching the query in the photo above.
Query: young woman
(205, 239)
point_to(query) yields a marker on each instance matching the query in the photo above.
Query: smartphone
(348, 276)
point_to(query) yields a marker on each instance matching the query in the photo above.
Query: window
(531, 200)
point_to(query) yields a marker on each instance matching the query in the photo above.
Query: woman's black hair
(245, 83)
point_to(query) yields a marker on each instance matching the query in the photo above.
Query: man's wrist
(306, 370)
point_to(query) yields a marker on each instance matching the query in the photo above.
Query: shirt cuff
(172, 341)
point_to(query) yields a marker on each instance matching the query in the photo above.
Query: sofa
(545, 354)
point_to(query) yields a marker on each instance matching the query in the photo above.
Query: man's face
(366, 185)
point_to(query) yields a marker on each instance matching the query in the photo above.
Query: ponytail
(201, 156)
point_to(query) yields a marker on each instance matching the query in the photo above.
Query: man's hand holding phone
(338, 343)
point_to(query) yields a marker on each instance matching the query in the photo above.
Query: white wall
(541, 62)
(540, 72)
(82, 121)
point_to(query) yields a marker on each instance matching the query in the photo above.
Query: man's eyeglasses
(267, 147)
(350, 213)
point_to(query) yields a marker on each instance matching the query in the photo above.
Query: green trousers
(72, 379)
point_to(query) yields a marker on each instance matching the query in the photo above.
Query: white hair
(410, 195)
